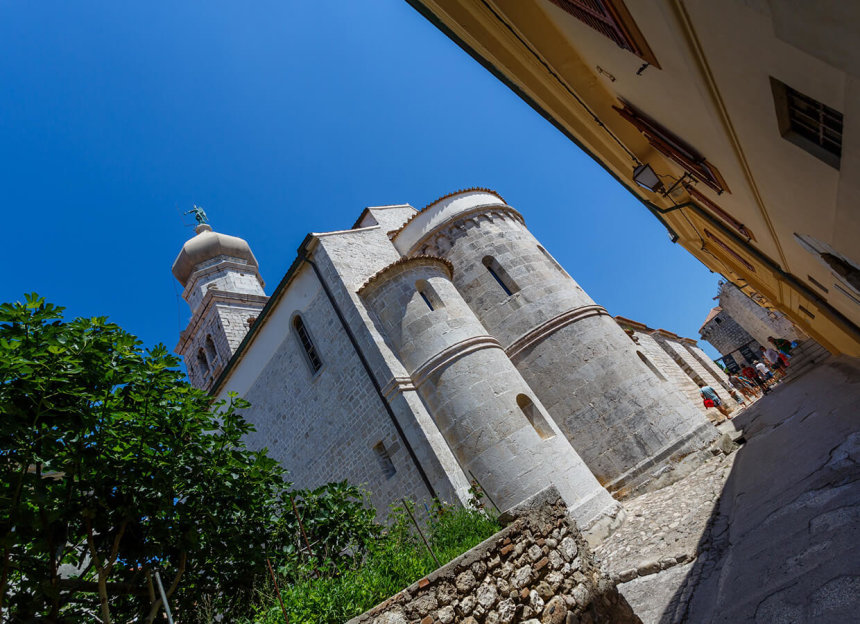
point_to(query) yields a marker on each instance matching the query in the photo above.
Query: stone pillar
(493, 421)
(580, 364)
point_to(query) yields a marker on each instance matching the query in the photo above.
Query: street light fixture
(644, 176)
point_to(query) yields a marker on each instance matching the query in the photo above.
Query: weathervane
(199, 214)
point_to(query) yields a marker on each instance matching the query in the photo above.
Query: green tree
(112, 467)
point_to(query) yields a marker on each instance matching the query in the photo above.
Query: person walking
(776, 363)
(764, 372)
(709, 394)
(754, 377)
(781, 344)
(741, 387)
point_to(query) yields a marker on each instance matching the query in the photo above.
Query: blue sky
(280, 118)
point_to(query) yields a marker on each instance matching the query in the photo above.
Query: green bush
(321, 592)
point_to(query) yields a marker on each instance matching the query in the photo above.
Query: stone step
(805, 356)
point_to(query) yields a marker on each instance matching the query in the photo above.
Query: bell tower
(223, 288)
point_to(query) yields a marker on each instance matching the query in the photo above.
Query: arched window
(210, 348)
(500, 275)
(384, 459)
(202, 363)
(313, 358)
(535, 417)
(651, 366)
(429, 295)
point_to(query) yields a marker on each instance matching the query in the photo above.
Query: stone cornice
(211, 298)
(547, 328)
(396, 386)
(470, 214)
(221, 266)
(447, 356)
(393, 234)
(403, 263)
(635, 325)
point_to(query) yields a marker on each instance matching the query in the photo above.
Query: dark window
(384, 459)
(808, 123)
(202, 363)
(674, 148)
(429, 295)
(535, 417)
(718, 319)
(612, 20)
(500, 275)
(805, 311)
(313, 357)
(210, 349)
(817, 283)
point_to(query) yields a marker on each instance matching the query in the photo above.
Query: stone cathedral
(423, 350)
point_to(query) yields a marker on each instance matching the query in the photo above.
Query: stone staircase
(805, 356)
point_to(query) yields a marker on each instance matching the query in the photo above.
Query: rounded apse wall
(494, 424)
(580, 364)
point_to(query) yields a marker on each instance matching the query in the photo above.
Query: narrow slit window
(500, 275)
(210, 349)
(650, 366)
(384, 459)
(429, 295)
(310, 350)
(202, 363)
(535, 417)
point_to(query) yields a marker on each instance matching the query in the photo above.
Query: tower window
(500, 275)
(384, 459)
(313, 358)
(808, 123)
(535, 417)
(210, 348)
(202, 363)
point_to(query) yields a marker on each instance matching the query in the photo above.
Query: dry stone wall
(538, 570)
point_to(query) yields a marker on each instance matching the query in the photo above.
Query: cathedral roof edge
(403, 262)
(473, 189)
(274, 298)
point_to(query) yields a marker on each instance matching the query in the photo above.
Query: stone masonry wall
(538, 570)
(328, 426)
(727, 335)
(758, 321)
(670, 369)
(694, 368)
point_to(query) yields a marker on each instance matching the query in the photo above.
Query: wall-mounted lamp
(644, 176)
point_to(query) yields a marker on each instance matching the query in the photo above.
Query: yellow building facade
(734, 122)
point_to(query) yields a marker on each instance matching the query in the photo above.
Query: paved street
(765, 534)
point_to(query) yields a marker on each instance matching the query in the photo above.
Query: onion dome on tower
(223, 288)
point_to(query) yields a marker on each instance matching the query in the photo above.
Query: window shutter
(674, 148)
(601, 16)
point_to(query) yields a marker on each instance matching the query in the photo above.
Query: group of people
(755, 379)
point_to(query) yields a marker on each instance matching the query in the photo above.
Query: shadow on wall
(782, 545)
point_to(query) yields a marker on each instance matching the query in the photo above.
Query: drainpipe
(369, 371)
